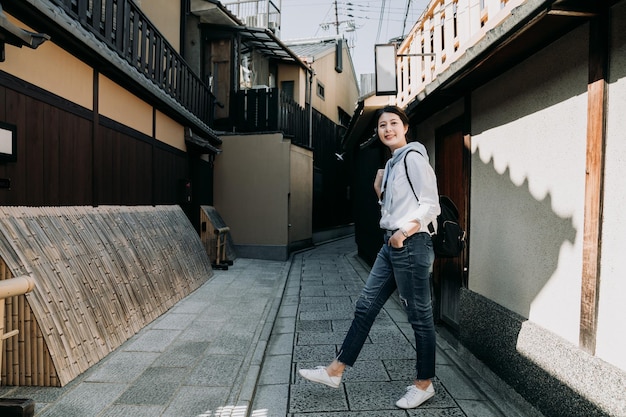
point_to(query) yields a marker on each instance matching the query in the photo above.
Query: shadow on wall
(516, 239)
(518, 244)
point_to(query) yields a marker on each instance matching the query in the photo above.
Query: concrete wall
(527, 187)
(252, 193)
(611, 344)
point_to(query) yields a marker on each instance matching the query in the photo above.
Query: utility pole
(336, 19)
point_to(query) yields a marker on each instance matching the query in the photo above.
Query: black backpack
(449, 241)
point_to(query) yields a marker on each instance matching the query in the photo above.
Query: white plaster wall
(527, 186)
(611, 338)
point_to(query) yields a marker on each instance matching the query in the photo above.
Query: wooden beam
(594, 182)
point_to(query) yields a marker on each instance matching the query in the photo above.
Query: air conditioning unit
(261, 20)
(251, 21)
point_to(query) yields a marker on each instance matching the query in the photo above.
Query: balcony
(122, 26)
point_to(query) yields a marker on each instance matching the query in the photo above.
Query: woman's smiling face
(392, 131)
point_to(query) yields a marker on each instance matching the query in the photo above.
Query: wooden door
(220, 69)
(452, 168)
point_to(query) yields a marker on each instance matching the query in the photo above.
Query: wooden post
(594, 182)
(220, 259)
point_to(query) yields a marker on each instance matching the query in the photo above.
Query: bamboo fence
(102, 274)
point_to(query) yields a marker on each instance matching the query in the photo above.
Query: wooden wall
(66, 155)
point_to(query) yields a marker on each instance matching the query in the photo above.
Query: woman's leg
(378, 288)
(412, 269)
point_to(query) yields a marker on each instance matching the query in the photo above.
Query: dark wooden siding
(53, 154)
(62, 160)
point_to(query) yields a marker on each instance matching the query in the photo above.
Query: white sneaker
(320, 376)
(414, 396)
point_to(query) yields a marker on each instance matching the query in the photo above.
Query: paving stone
(473, 408)
(202, 331)
(313, 292)
(284, 325)
(317, 353)
(173, 321)
(280, 344)
(182, 354)
(319, 338)
(325, 315)
(288, 311)
(123, 367)
(231, 342)
(270, 401)
(387, 334)
(87, 399)
(215, 370)
(325, 300)
(401, 369)
(387, 351)
(315, 397)
(377, 413)
(133, 410)
(313, 307)
(276, 370)
(313, 325)
(197, 401)
(151, 341)
(374, 395)
(363, 371)
(457, 384)
(437, 412)
(156, 386)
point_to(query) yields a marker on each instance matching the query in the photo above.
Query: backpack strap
(406, 169)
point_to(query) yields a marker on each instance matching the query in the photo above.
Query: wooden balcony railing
(443, 33)
(265, 109)
(122, 26)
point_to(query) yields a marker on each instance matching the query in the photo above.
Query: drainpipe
(310, 94)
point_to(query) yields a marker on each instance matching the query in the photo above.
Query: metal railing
(255, 13)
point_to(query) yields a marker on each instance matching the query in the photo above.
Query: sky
(364, 23)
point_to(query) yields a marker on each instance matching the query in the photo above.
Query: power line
(380, 21)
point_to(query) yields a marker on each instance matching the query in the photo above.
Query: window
(8, 142)
(288, 89)
(320, 90)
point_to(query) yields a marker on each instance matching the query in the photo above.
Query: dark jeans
(407, 269)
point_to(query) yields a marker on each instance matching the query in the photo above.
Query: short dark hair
(397, 111)
(392, 109)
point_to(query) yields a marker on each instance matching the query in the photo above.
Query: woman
(407, 192)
